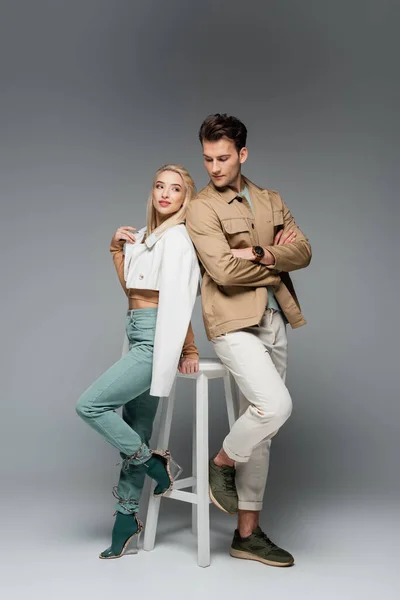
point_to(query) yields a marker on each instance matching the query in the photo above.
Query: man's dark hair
(214, 127)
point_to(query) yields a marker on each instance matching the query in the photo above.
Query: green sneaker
(222, 487)
(259, 547)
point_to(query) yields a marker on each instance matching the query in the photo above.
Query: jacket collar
(154, 237)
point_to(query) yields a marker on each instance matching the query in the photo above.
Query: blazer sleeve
(179, 275)
(215, 253)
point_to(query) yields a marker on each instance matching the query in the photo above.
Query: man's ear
(243, 154)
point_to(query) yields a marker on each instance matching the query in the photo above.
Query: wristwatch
(258, 253)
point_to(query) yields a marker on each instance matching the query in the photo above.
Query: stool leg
(230, 397)
(203, 506)
(194, 471)
(153, 509)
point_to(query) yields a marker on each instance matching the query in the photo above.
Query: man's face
(223, 161)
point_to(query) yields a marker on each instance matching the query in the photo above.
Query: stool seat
(209, 368)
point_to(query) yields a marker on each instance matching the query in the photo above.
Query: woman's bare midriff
(143, 299)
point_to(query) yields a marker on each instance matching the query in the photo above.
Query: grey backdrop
(95, 95)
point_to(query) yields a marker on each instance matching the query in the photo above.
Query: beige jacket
(234, 293)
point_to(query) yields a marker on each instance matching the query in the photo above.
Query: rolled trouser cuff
(257, 506)
(233, 456)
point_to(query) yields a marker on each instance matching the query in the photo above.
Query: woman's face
(168, 194)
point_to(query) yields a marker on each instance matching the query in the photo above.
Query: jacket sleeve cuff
(117, 246)
(271, 251)
(190, 353)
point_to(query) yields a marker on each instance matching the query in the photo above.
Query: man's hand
(280, 239)
(188, 365)
(284, 237)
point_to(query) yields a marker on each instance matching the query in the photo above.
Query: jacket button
(252, 225)
(141, 276)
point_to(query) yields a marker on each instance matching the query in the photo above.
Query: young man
(247, 242)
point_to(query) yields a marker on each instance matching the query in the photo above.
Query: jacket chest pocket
(279, 222)
(237, 232)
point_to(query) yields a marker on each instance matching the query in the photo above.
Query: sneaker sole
(217, 504)
(249, 556)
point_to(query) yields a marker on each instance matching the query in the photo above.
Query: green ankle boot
(126, 528)
(159, 469)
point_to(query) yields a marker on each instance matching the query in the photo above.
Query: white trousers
(257, 358)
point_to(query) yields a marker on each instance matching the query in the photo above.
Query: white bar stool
(199, 496)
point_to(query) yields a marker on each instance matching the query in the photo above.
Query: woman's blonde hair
(178, 217)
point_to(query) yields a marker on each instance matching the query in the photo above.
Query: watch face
(259, 251)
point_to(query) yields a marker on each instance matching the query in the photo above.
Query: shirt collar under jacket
(227, 193)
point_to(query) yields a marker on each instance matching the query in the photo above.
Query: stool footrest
(190, 497)
(180, 484)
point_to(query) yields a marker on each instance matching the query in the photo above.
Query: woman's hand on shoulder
(188, 365)
(124, 234)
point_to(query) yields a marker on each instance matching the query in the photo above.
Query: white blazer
(167, 263)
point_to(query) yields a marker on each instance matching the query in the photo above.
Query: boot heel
(175, 469)
(133, 544)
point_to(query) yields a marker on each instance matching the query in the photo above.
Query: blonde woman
(159, 272)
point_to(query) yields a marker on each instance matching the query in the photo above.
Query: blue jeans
(127, 384)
